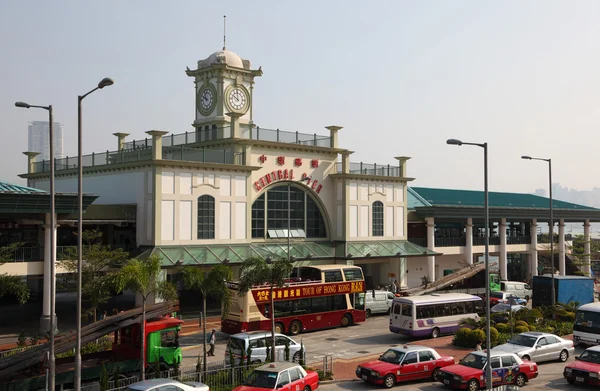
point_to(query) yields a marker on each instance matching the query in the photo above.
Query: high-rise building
(39, 140)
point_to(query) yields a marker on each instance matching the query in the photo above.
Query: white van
(258, 342)
(378, 302)
(519, 289)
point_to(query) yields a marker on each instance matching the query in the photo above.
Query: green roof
(6, 187)
(423, 197)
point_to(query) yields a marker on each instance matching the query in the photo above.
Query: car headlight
(456, 377)
(568, 370)
(358, 368)
(593, 374)
(374, 373)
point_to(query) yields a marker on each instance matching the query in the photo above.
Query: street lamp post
(51, 363)
(488, 368)
(103, 83)
(551, 224)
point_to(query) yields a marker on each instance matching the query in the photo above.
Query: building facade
(39, 141)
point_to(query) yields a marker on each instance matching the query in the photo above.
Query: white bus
(586, 328)
(433, 315)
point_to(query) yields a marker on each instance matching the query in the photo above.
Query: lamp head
(22, 104)
(107, 81)
(526, 157)
(453, 141)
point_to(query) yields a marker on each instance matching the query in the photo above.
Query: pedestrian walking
(104, 315)
(212, 339)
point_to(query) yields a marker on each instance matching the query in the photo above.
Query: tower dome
(226, 57)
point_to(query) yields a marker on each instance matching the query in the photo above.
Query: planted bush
(502, 327)
(522, 323)
(521, 329)
(494, 335)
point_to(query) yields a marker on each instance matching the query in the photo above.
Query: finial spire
(224, 30)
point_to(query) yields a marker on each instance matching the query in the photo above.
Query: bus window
(406, 310)
(339, 302)
(353, 274)
(357, 301)
(333, 276)
(469, 307)
(318, 304)
(397, 308)
(457, 308)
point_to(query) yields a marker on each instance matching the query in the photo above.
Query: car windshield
(590, 356)
(497, 295)
(474, 361)
(392, 356)
(500, 308)
(523, 340)
(261, 379)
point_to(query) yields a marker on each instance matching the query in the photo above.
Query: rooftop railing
(371, 169)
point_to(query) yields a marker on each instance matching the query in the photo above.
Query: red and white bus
(315, 297)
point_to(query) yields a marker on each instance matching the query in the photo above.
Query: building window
(377, 218)
(270, 212)
(206, 217)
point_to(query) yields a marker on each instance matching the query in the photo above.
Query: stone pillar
(587, 249)
(469, 241)
(46, 296)
(235, 124)
(333, 135)
(533, 254)
(346, 162)
(402, 164)
(120, 140)
(157, 136)
(561, 248)
(431, 245)
(31, 161)
(503, 253)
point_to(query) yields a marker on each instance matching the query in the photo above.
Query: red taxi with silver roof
(285, 376)
(409, 362)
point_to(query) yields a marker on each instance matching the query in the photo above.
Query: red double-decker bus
(316, 297)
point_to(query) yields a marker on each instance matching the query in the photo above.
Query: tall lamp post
(51, 364)
(103, 83)
(488, 368)
(551, 224)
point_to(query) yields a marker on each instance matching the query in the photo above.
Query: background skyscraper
(38, 140)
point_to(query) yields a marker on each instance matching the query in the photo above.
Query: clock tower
(224, 85)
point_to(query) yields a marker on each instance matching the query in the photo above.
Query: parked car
(258, 342)
(281, 376)
(502, 297)
(469, 373)
(378, 302)
(166, 384)
(537, 346)
(502, 307)
(585, 369)
(519, 289)
(409, 362)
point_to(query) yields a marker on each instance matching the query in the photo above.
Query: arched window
(377, 218)
(206, 217)
(270, 212)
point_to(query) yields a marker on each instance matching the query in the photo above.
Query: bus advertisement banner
(262, 295)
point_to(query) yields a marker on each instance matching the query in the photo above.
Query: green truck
(25, 371)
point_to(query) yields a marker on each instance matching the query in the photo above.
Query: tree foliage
(97, 281)
(211, 284)
(11, 285)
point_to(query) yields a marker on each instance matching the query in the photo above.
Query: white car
(166, 385)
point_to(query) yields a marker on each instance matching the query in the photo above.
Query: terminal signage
(262, 295)
(285, 175)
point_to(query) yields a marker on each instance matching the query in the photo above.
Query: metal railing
(371, 169)
(27, 254)
(203, 155)
(282, 136)
(419, 241)
(518, 239)
(450, 242)
(12, 352)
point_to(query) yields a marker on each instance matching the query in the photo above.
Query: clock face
(207, 99)
(237, 99)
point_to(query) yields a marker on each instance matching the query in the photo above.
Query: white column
(469, 241)
(503, 253)
(431, 246)
(533, 254)
(561, 248)
(46, 296)
(587, 268)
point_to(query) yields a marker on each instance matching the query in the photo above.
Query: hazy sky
(400, 76)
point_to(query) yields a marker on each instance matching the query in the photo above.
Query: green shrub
(494, 335)
(503, 338)
(21, 340)
(521, 329)
(521, 323)
(502, 327)
(462, 337)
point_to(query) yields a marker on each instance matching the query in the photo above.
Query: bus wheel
(368, 313)
(278, 328)
(346, 320)
(295, 328)
(435, 333)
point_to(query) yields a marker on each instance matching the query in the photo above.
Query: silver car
(166, 385)
(537, 346)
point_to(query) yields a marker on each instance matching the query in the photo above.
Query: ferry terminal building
(221, 193)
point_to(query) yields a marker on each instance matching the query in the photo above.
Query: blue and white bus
(433, 315)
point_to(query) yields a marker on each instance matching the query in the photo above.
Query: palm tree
(143, 278)
(258, 271)
(10, 284)
(209, 284)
